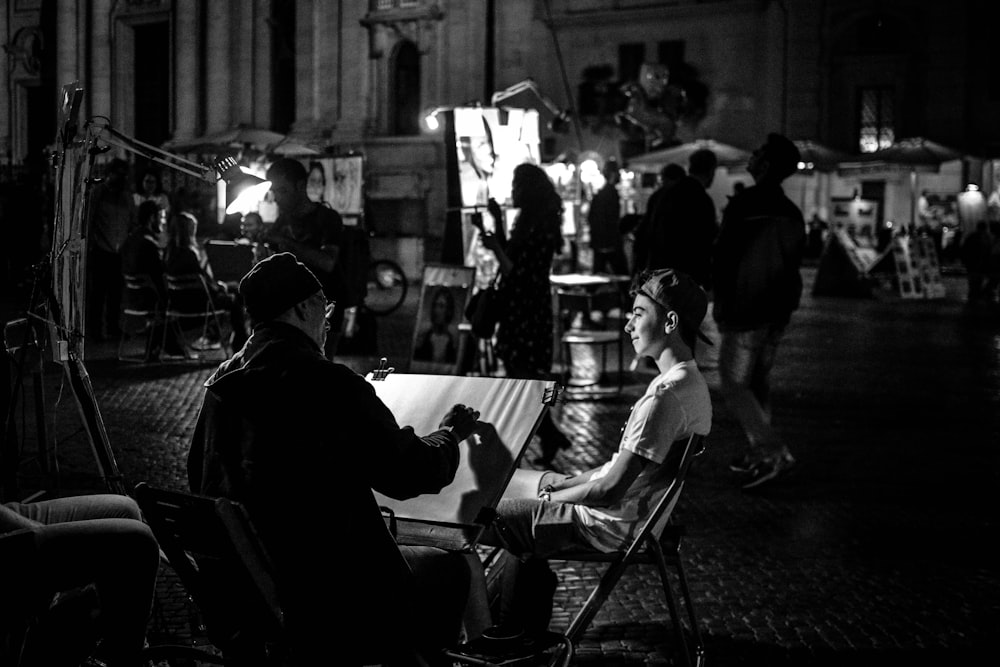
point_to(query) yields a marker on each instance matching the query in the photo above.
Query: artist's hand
(494, 208)
(491, 242)
(461, 420)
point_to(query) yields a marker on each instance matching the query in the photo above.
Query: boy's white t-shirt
(675, 406)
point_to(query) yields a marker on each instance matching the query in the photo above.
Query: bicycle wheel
(387, 287)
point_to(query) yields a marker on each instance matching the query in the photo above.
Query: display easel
(440, 341)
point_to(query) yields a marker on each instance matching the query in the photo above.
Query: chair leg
(675, 618)
(594, 602)
(699, 646)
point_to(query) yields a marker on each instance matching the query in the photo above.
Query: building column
(100, 59)
(261, 59)
(187, 74)
(242, 47)
(218, 70)
(6, 109)
(306, 31)
(67, 62)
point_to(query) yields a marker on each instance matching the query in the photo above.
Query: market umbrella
(293, 148)
(239, 136)
(917, 151)
(818, 157)
(915, 154)
(728, 156)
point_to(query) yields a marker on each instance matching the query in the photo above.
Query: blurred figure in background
(670, 176)
(185, 256)
(757, 288)
(524, 332)
(313, 233)
(603, 217)
(150, 188)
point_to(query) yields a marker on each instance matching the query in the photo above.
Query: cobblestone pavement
(879, 548)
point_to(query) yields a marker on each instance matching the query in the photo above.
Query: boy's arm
(603, 491)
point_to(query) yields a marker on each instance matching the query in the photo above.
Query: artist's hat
(276, 284)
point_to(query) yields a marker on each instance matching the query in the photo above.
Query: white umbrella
(218, 142)
(915, 154)
(727, 156)
(290, 147)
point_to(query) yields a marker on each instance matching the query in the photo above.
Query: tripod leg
(44, 453)
(83, 391)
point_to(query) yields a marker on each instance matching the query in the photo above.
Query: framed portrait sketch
(336, 182)
(438, 343)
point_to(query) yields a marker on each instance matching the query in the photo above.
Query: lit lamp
(251, 188)
(431, 120)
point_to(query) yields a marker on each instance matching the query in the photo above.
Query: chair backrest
(660, 516)
(140, 296)
(193, 530)
(188, 294)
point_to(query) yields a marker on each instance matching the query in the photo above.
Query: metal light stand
(66, 321)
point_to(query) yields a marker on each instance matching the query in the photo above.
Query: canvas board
(510, 411)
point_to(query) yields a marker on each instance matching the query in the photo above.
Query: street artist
(301, 441)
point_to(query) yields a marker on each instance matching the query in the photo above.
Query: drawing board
(510, 411)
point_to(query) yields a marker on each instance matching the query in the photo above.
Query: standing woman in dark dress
(524, 333)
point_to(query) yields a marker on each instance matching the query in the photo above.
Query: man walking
(757, 286)
(603, 218)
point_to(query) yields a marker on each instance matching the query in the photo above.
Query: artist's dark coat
(302, 441)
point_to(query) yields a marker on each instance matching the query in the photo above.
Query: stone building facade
(358, 75)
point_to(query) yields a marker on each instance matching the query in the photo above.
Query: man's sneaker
(769, 469)
(742, 464)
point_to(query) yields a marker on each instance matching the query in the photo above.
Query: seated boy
(603, 508)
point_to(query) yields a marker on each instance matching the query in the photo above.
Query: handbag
(483, 311)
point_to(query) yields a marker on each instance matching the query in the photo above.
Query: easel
(65, 271)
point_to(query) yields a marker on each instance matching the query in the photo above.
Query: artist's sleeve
(407, 465)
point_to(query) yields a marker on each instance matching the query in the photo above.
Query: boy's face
(646, 326)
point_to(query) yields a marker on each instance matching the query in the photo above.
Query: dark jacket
(302, 441)
(682, 227)
(756, 260)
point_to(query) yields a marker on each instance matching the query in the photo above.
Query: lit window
(876, 124)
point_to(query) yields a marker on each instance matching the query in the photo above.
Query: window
(405, 105)
(876, 126)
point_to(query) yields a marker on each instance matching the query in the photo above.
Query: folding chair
(140, 305)
(656, 543)
(215, 551)
(189, 297)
